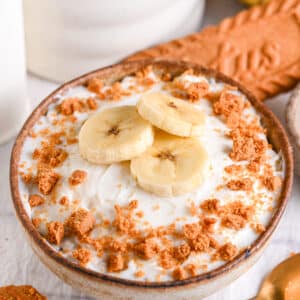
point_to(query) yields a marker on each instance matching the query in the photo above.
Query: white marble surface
(18, 264)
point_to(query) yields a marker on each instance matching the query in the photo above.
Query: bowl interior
(276, 136)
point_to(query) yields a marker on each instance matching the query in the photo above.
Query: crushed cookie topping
(179, 273)
(95, 85)
(77, 177)
(80, 222)
(227, 104)
(71, 105)
(92, 103)
(182, 251)
(123, 218)
(228, 251)
(243, 184)
(116, 262)
(139, 274)
(246, 145)
(211, 206)
(55, 232)
(272, 183)
(233, 169)
(36, 200)
(46, 179)
(231, 107)
(193, 91)
(50, 155)
(64, 201)
(36, 222)
(259, 228)
(82, 255)
(146, 249)
(233, 221)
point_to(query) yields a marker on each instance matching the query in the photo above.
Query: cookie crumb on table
(22, 292)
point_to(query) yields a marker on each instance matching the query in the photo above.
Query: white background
(18, 264)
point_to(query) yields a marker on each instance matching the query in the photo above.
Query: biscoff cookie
(258, 47)
(24, 292)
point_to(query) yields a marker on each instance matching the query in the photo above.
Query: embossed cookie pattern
(259, 47)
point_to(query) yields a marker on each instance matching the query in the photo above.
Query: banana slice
(114, 135)
(171, 114)
(172, 166)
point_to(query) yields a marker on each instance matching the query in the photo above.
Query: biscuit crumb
(77, 177)
(123, 222)
(193, 209)
(36, 222)
(117, 246)
(82, 255)
(243, 184)
(91, 103)
(228, 251)
(191, 231)
(230, 106)
(116, 263)
(258, 228)
(139, 274)
(207, 224)
(166, 259)
(191, 269)
(36, 200)
(272, 183)
(49, 155)
(64, 201)
(80, 222)
(28, 178)
(182, 252)
(201, 243)
(211, 206)
(146, 249)
(46, 179)
(233, 169)
(233, 221)
(95, 85)
(55, 232)
(197, 90)
(246, 146)
(71, 105)
(179, 273)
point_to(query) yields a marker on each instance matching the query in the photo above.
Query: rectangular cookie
(259, 47)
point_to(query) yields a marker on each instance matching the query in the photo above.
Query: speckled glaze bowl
(108, 287)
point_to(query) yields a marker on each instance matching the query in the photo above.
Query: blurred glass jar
(14, 104)
(67, 38)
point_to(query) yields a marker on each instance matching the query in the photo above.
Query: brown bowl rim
(123, 69)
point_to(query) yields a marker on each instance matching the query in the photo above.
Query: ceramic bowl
(105, 286)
